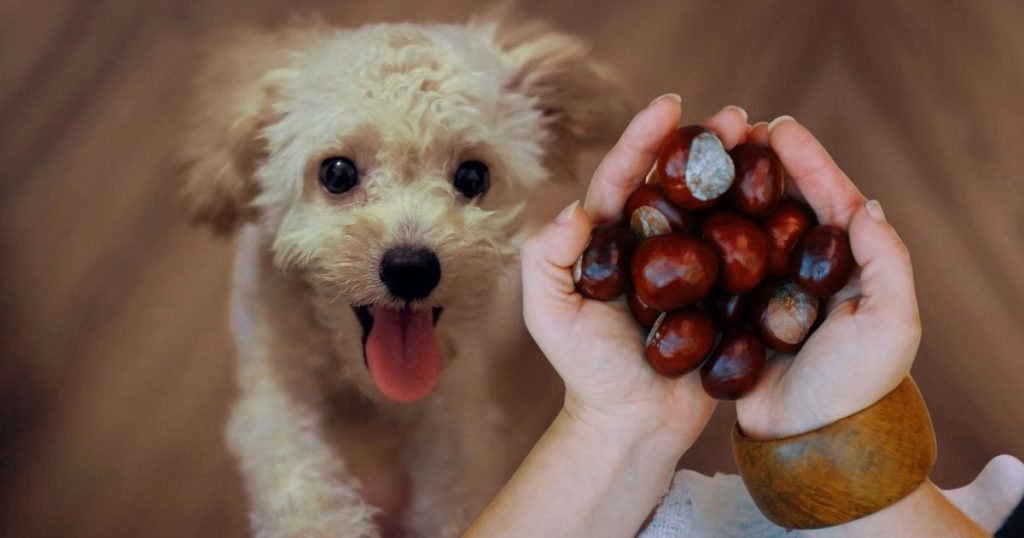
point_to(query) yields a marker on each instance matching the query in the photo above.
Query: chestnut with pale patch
(649, 213)
(694, 168)
(383, 178)
(785, 315)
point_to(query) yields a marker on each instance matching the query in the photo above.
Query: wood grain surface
(115, 366)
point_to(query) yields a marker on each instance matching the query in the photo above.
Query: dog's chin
(401, 349)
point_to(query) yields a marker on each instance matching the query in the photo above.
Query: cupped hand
(596, 347)
(868, 342)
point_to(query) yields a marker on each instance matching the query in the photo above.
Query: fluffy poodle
(380, 180)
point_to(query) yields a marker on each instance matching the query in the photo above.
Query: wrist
(636, 462)
(623, 435)
(581, 479)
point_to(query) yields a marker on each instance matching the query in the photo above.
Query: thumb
(547, 259)
(887, 277)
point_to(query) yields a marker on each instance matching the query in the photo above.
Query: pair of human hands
(864, 348)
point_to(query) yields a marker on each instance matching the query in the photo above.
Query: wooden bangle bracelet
(842, 471)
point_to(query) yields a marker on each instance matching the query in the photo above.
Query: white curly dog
(380, 180)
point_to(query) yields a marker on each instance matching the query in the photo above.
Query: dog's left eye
(472, 179)
(338, 174)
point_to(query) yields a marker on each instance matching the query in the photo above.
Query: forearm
(925, 512)
(581, 481)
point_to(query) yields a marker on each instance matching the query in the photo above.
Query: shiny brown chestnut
(742, 250)
(694, 168)
(759, 183)
(734, 367)
(644, 315)
(783, 314)
(649, 212)
(822, 261)
(680, 341)
(672, 271)
(602, 270)
(784, 227)
(727, 308)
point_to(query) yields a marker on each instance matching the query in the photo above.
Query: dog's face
(388, 166)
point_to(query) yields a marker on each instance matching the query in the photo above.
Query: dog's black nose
(409, 272)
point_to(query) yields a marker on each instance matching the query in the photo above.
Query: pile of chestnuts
(716, 262)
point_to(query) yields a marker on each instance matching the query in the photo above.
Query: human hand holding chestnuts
(598, 347)
(871, 328)
(768, 268)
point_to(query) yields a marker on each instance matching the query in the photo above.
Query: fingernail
(875, 210)
(737, 109)
(673, 96)
(566, 213)
(779, 120)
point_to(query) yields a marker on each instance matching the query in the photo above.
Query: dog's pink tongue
(402, 352)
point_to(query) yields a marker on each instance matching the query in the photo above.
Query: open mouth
(400, 349)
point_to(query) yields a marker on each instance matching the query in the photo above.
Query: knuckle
(902, 250)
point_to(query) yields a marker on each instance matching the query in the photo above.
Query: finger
(886, 274)
(730, 124)
(547, 257)
(825, 187)
(758, 133)
(624, 168)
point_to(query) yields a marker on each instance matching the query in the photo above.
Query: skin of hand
(993, 494)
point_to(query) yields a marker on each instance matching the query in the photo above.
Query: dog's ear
(581, 98)
(222, 146)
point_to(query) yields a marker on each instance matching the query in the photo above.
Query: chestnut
(822, 261)
(602, 270)
(672, 271)
(784, 227)
(649, 212)
(742, 250)
(759, 183)
(734, 367)
(680, 341)
(694, 168)
(727, 308)
(644, 315)
(784, 314)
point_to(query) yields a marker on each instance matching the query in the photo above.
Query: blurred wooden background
(115, 366)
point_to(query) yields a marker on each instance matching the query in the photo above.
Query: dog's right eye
(472, 179)
(338, 174)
